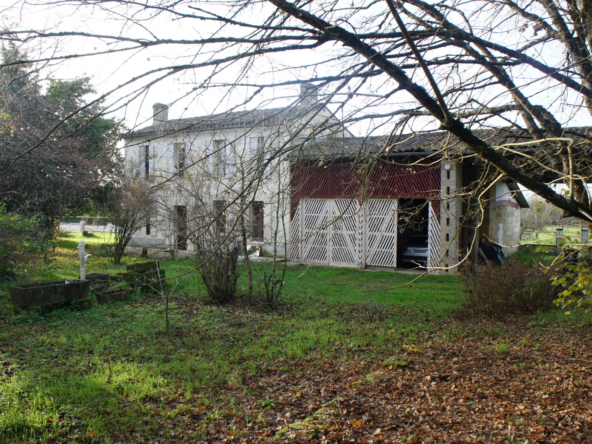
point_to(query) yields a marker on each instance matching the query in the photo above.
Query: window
(257, 151)
(181, 227)
(257, 144)
(147, 228)
(219, 158)
(180, 156)
(147, 162)
(220, 215)
(257, 221)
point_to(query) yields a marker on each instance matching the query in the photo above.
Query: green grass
(71, 239)
(81, 375)
(547, 236)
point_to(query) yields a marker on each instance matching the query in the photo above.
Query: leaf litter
(536, 389)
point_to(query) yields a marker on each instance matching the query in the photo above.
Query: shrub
(219, 269)
(575, 283)
(19, 237)
(514, 288)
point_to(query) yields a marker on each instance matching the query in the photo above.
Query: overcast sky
(109, 71)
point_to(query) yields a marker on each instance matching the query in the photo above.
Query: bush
(20, 237)
(219, 270)
(514, 288)
(575, 283)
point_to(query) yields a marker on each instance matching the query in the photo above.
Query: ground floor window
(220, 215)
(181, 213)
(257, 233)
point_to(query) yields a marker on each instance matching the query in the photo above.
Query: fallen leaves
(457, 390)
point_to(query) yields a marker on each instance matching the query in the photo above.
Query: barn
(378, 203)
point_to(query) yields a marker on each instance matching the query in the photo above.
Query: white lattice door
(314, 229)
(381, 232)
(433, 237)
(295, 241)
(343, 241)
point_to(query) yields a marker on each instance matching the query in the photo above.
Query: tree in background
(55, 151)
(541, 215)
(129, 204)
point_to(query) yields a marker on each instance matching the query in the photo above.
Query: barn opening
(339, 219)
(413, 236)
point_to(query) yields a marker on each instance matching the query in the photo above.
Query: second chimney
(160, 113)
(308, 94)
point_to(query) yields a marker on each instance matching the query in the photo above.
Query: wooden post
(82, 256)
(558, 236)
(585, 237)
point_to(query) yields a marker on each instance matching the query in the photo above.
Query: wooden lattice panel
(295, 244)
(316, 217)
(344, 231)
(433, 237)
(381, 233)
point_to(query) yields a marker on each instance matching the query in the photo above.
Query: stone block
(113, 296)
(143, 267)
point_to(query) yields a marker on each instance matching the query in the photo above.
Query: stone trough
(50, 295)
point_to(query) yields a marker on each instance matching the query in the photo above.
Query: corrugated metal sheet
(381, 179)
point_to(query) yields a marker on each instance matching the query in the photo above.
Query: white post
(82, 256)
(558, 236)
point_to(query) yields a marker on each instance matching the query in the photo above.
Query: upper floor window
(257, 153)
(147, 161)
(180, 154)
(257, 145)
(223, 158)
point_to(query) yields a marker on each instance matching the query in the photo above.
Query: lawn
(340, 361)
(547, 236)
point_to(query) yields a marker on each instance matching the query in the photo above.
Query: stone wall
(504, 226)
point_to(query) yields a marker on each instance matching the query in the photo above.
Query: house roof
(226, 120)
(522, 202)
(415, 143)
(424, 143)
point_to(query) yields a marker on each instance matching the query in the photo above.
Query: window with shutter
(257, 218)
(180, 152)
(147, 162)
(220, 215)
(181, 227)
(256, 145)
(219, 158)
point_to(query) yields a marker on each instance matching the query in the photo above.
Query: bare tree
(129, 204)
(470, 68)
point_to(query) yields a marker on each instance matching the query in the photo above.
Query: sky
(112, 70)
